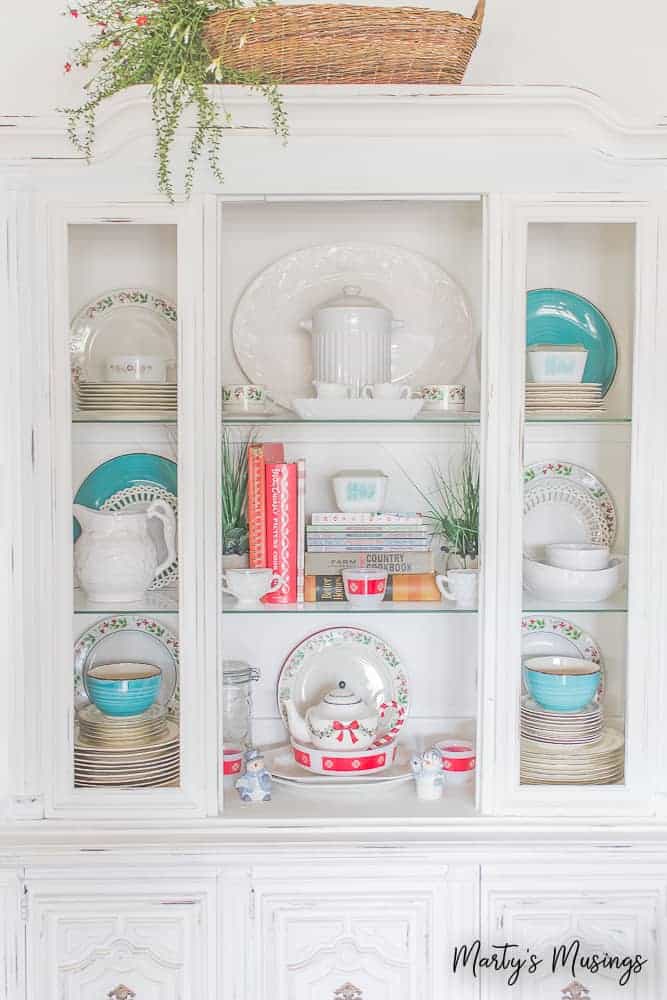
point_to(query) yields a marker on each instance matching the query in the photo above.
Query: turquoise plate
(122, 473)
(556, 316)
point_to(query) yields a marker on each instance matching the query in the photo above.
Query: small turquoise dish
(121, 473)
(123, 689)
(557, 316)
(561, 683)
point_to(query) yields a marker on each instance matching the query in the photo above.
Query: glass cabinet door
(126, 685)
(573, 674)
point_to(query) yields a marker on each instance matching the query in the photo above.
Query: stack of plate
(584, 397)
(138, 751)
(560, 728)
(115, 396)
(599, 763)
(130, 730)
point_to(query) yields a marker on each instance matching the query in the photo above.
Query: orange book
(258, 456)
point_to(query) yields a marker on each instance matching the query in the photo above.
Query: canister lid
(238, 672)
(352, 298)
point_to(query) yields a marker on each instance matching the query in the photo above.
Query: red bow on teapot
(341, 730)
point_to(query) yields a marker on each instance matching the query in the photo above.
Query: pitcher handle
(441, 584)
(162, 510)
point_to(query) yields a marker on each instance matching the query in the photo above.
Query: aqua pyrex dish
(559, 317)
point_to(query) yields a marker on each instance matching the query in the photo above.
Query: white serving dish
(577, 555)
(554, 583)
(557, 365)
(344, 763)
(360, 491)
(357, 409)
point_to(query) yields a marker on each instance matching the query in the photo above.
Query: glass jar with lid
(237, 678)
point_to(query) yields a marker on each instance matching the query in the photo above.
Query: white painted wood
(386, 930)
(606, 909)
(156, 937)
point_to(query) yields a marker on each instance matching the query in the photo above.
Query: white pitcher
(115, 558)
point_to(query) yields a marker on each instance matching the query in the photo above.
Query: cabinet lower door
(566, 918)
(353, 934)
(144, 944)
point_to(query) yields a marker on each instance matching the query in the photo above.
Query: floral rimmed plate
(367, 664)
(123, 639)
(121, 321)
(564, 502)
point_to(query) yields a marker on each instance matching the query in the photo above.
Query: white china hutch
(357, 894)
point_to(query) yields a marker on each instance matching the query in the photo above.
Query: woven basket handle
(478, 16)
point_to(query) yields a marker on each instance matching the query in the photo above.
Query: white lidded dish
(360, 491)
(554, 583)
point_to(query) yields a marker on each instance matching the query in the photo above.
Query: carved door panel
(115, 945)
(567, 917)
(361, 936)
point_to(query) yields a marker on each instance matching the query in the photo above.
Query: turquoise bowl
(122, 689)
(561, 683)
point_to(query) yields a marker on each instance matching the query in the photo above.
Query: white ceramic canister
(352, 340)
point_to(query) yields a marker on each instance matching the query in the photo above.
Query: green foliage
(234, 490)
(160, 43)
(453, 504)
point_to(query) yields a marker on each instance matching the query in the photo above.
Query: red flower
(68, 67)
(142, 20)
(74, 12)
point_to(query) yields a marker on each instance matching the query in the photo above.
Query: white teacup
(459, 585)
(248, 586)
(385, 390)
(332, 390)
(244, 396)
(136, 368)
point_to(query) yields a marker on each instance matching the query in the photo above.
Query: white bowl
(553, 583)
(360, 491)
(557, 366)
(577, 555)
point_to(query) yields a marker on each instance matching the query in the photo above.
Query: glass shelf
(342, 607)
(290, 418)
(617, 603)
(154, 602)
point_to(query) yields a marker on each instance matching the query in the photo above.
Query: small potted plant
(234, 489)
(453, 509)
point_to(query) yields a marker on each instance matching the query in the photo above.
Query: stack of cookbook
(398, 543)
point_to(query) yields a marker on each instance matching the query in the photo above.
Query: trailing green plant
(234, 492)
(453, 503)
(160, 43)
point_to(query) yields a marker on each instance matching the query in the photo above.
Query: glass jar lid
(238, 672)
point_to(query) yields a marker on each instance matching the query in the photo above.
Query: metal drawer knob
(575, 991)
(348, 991)
(121, 993)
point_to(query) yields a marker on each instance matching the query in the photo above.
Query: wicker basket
(333, 43)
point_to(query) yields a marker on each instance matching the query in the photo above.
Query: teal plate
(556, 316)
(125, 472)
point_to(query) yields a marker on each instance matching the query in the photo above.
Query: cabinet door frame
(48, 673)
(173, 897)
(501, 792)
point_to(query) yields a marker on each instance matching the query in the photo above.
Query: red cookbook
(258, 456)
(282, 529)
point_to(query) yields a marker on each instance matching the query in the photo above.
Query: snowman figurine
(428, 774)
(255, 784)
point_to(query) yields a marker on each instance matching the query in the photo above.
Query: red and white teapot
(340, 721)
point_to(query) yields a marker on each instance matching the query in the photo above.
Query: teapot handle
(164, 513)
(390, 736)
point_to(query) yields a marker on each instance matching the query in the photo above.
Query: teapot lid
(341, 696)
(352, 297)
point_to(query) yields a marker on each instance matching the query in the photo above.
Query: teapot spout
(296, 724)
